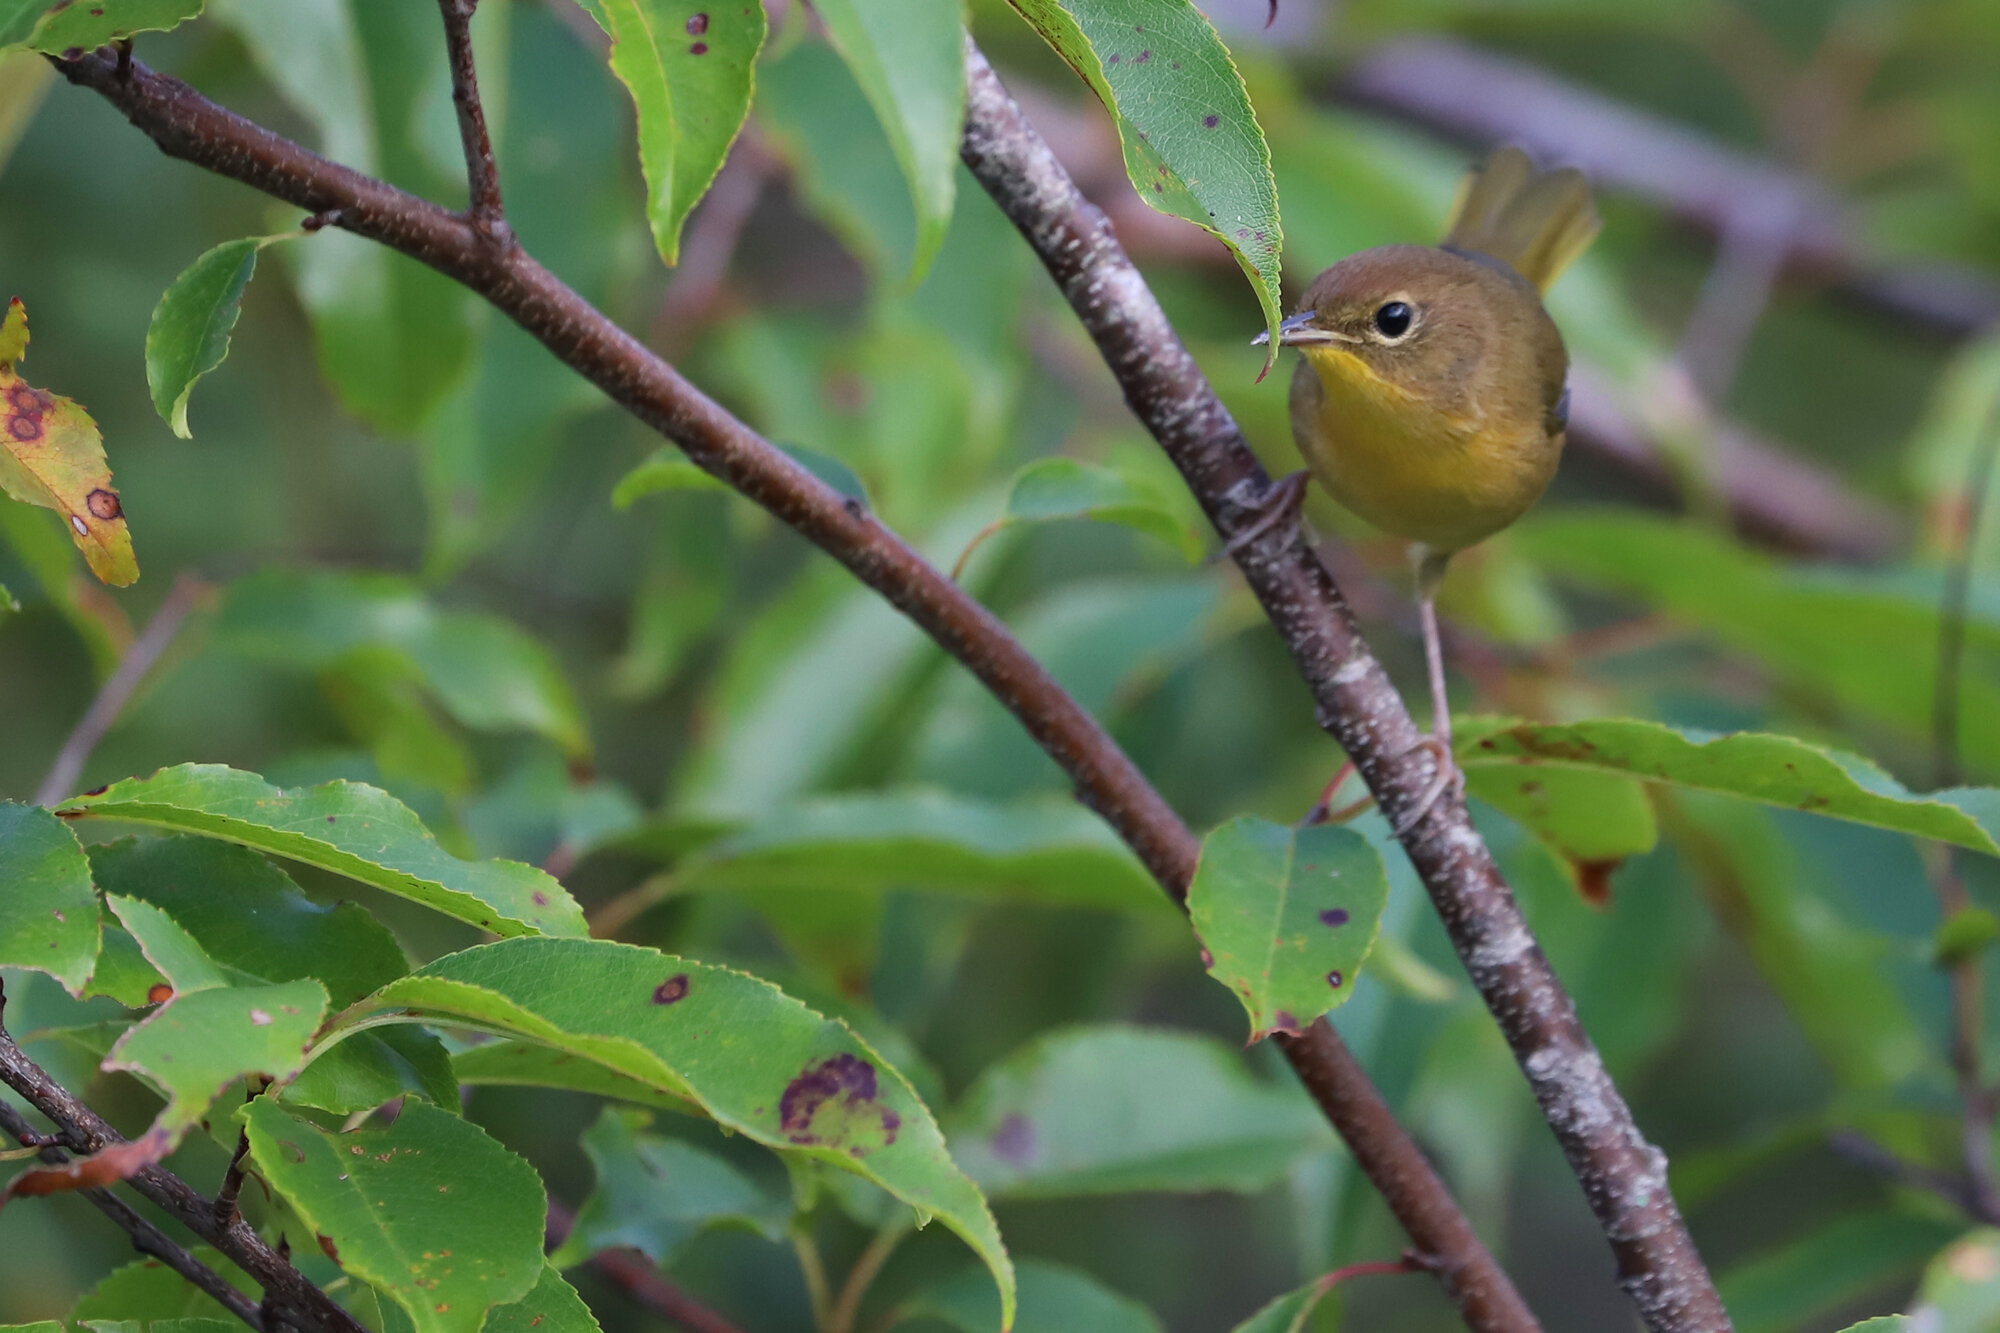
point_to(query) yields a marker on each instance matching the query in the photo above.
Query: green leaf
(148, 1290)
(665, 470)
(347, 828)
(1964, 935)
(48, 909)
(249, 916)
(1592, 821)
(1110, 1110)
(1960, 1291)
(1286, 916)
(1054, 1299)
(1821, 630)
(210, 1033)
(251, 920)
(759, 1062)
(189, 335)
(72, 26)
(1288, 1313)
(655, 1194)
(526, 1064)
(1830, 973)
(552, 1307)
(690, 66)
(1050, 489)
(1038, 850)
(431, 1211)
(1829, 1267)
(484, 671)
(1888, 1323)
(1751, 766)
(909, 58)
(1193, 147)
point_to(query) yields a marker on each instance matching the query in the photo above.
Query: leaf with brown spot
(52, 455)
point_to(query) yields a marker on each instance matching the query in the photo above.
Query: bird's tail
(1535, 221)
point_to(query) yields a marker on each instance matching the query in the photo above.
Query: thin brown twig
(185, 125)
(117, 691)
(633, 1274)
(289, 1296)
(482, 174)
(146, 1238)
(1623, 1176)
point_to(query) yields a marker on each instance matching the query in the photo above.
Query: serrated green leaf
(1081, 1111)
(689, 66)
(250, 918)
(909, 58)
(1054, 1299)
(48, 909)
(1286, 917)
(1193, 147)
(552, 1307)
(1751, 766)
(347, 828)
(74, 26)
(655, 1194)
(431, 1210)
(189, 335)
(210, 1033)
(759, 1062)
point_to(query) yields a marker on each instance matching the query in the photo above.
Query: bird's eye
(1393, 320)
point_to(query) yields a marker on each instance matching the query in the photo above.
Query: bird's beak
(1298, 331)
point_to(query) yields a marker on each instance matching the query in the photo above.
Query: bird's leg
(1430, 572)
(1279, 508)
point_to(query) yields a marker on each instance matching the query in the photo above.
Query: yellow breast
(1408, 466)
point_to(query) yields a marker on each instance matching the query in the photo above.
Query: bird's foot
(1448, 777)
(1279, 508)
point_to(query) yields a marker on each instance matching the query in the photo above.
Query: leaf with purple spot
(1286, 917)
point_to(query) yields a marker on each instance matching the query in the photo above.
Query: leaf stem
(862, 1276)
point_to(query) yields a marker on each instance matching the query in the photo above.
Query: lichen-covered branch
(1623, 1176)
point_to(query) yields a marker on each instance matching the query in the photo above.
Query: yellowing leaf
(52, 455)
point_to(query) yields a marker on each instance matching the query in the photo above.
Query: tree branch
(482, 176)
(117, 691)
(146, 1238)
(187, 126)
(288, 1294)
(1623, 1176)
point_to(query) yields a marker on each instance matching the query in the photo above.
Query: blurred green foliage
(727, 749)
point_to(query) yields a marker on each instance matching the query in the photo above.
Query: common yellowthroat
(1432, 394)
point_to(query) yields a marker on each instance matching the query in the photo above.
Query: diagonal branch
(482, 176)
(289, 1296)
(185, 125)
(146, 1238)
(1623, 1176)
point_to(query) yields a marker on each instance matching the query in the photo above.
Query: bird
(1431, 395)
